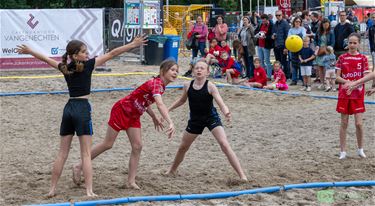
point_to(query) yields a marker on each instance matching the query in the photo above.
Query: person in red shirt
(351, 66)
(213, 54)
(279, 78)
(228, 68)
(260, 77)
(126, 113)
(225, 47)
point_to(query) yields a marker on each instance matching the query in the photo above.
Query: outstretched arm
(215, 93)
(181, 100)
(164, 113)
(23, 49)
(157, 123)
(138, 41)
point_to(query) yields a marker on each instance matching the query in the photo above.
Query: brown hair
(356, 35)
(203, 61)
(166, 65)
(72, 48)
(277, 62)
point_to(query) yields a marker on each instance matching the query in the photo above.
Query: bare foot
(76, 170)
(244, 179)
(133, 186)
(91, 194)
(170, 173)
(51, 193)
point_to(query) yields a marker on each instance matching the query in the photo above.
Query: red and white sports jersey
(353, 67)
(136, 103)
(279, 74)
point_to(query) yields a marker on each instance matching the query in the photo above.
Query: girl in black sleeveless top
(77, 112)
(201, 93)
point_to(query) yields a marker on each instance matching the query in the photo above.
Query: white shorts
(331, 73)
(306, 70)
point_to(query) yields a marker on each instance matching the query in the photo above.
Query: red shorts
(236, 73)
(350, 106)
(121, 121)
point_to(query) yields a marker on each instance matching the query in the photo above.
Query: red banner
(284, 5)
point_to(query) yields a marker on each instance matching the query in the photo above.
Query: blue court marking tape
(177, 87)
(218, 195)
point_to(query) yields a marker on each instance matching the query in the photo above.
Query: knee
(137, 147)
(108, 145)
(224, 146)
(344, 125)
(358, 125)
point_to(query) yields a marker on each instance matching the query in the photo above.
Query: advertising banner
(47, 31)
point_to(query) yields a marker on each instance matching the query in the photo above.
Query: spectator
(255, 19)
(265, 43)
(324, 38)
(220, 29)
(329, 62)
(246, 36)
(225, 47)
(260, 77)
(230, 68)
(341, 33)
(306, 57)
(371, 37)
(279, 81)
(280, 33)
(297, 29)
(201, 35)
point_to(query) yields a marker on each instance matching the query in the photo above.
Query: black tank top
(200, 101)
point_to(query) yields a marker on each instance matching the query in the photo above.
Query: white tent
(368, 3)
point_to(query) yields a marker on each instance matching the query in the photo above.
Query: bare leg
(359, 129)
(322, 74)
(85, 144)
(187, 140)
(221, 138)
(58, 165)
(229, 77)
(107, 144)
(343, 127)
(135, 139)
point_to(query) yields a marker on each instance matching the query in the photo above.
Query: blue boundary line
(178, 87)
(217, 195)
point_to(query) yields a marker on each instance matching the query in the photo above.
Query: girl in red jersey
(201, 93)
(126, 113)
(228, 66)
(77, 69)
(226, 48)
(351, 66)
(260, 76)
(213, 54)
(279, 78)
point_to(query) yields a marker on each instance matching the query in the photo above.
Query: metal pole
(141, 9)
(250, 6)
(258, 5)
(167, 13)
(241, 8)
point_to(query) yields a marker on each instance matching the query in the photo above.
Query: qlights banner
(47, 31)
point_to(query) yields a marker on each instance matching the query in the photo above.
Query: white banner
(47, 31)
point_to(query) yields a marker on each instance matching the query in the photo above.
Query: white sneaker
(308, 89)
(361, 153)
(321, 86)
(342, 155)
(303, 89)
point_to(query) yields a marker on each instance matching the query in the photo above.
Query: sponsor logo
(352, 75)
(31, 23)
(55, 50)
(9, 50)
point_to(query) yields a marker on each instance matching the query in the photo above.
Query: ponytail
(63, 67)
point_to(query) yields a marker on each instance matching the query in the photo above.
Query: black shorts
(197, 125)
(76, 118)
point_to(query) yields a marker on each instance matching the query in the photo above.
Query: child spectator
(260, 76)
(225, 47)
(279, 78)
(229, 67)
(329, 62)
(306, 57)
(213, 54)
(351, 66)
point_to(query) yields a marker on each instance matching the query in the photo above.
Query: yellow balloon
(294, 43)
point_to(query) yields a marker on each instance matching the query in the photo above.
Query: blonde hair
(330, 49)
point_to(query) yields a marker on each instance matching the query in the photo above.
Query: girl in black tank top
(201, 93)
(77, 112)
